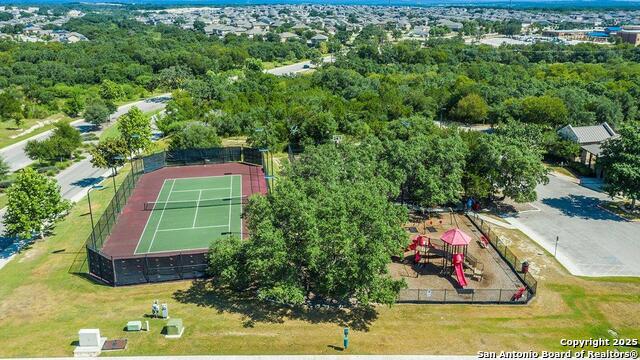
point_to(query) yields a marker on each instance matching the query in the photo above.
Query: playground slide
(460, 275)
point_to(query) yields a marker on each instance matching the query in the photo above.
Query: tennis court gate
(137, 269)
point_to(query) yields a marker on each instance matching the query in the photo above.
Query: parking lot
(591, 241)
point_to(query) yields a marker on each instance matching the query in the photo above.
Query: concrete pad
(592, 241)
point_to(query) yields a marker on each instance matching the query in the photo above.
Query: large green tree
(195, 135)
(97, 112)
(506, 166)
(471, 109)
(61, 145)
(327, 231)
(135, 129)
(109, 153)
(620, 160)
(34, 204)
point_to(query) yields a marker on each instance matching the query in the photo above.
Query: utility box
(174, 328)
(134, 326)
(89, 343)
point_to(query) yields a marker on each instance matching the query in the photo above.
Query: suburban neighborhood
(192, 180)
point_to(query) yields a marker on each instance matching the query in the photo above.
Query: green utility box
(174, 328)
(134, 326)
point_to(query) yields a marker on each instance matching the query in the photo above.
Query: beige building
(590, 139)
(630, 36)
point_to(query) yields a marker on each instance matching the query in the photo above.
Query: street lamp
(93, 235)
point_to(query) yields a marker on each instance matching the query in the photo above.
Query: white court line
(230, 206)
(176, 191)
(195, 217)
(147, 223)
(161, 215)
(203, 177)
(241, 206)
(192, 228)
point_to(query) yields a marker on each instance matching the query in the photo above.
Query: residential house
(287, 36)
(317, 39)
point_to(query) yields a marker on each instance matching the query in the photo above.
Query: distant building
(590, 139)
(287, 36)
(452, 25)
(630, 34)
(317, 39)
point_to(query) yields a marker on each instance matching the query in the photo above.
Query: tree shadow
(585, 207)
(89, 181)
(203, 293)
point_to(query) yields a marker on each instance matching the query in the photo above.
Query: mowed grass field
(42, 306)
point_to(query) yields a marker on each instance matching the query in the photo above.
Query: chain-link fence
(464, 296)
(504, 251)
(156, 268)
(102, 228)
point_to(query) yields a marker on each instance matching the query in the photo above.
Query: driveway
(592, 241)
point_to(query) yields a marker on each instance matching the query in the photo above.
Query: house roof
(594, 149)
(589, 134)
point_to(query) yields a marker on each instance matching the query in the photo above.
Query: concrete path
(15, 156)
(75, 180)
(592, 241)
(296, 68)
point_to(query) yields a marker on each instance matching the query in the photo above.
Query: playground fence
(516, 265)
(462, 296)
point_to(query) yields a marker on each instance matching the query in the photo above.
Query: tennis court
(189, 213)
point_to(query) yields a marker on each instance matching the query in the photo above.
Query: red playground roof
(456, 237)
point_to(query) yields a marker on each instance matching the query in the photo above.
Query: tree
(34, 204)
(97, 113)
(544, 110)
(4, 169)
(327, 231)
(74, 106)
(174, 77)
(135, 129)
(471, 109)
(109, 153)
(431, 167)
(509, 166)
(110, 90)
(199, 26)
(195, 135)
(620, 160)
(59, 146)
(11, 106)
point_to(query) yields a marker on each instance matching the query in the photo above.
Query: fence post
(500, 297)
(113, 267)
(445, 296)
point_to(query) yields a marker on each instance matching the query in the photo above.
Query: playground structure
(448, 261)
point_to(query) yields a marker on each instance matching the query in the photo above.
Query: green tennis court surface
(190, 213)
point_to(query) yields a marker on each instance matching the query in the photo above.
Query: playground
(448, 254)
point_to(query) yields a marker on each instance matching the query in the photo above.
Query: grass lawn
(42, 307)
(562, 170)
(8, 129)
(615, 207)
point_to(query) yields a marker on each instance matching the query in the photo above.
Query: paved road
(296, 68)
(592, 241)
(75, 180)
(17, 159)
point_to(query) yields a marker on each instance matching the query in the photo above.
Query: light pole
(555, 250)
(93, 235)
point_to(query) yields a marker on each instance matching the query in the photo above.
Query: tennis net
(165, 205)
